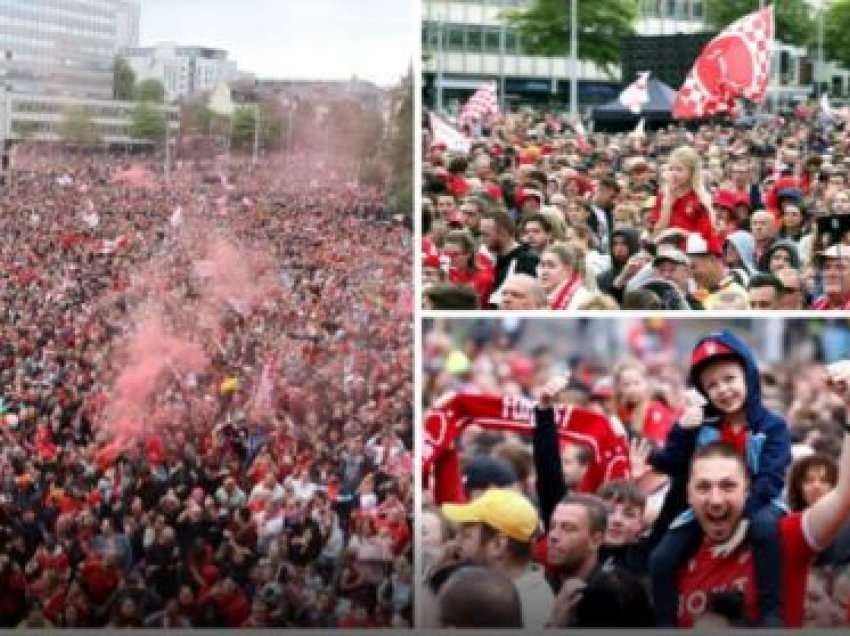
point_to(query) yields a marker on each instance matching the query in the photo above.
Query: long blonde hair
(689, 157)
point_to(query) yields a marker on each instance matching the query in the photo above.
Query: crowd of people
(538, 214)
(659, 483)
(205, 395)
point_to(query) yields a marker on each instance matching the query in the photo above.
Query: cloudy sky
(319, 39)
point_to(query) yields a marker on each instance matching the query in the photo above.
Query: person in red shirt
(727, 407)
(683, 201)
(467, 267)
(635, 408)
(717, 490)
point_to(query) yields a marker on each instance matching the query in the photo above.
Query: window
(455, 39)
(492, 39)
(697, 9)
(474, 39)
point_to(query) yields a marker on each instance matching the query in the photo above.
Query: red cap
(725, 199)
(709, 349)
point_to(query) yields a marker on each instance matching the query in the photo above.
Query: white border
(416, 65)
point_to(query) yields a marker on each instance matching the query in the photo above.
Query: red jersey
(736, 439)
(705, 574)
(481, 280)
(688, 213)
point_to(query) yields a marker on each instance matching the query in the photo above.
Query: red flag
(736, 63)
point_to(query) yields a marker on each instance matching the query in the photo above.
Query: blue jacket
(768, 446)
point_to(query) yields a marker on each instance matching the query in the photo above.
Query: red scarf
(566, 291)
(494, 412)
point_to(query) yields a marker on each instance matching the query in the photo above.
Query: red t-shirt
(705, 574)
(689, 214)
(481, 280)
(736, 439)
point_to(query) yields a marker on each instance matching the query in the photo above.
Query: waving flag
(636, 94)
(445, 133)
(481, 106)
(734, 64)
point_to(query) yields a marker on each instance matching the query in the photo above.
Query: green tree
(400, 153)
(242, 130)
(196, 115)
(794, 24)
(123, 80)
(146, 122)
(836, 27)
(544, 28)
(150, 90)
(272, 124)
(24, 129)
(77, 127)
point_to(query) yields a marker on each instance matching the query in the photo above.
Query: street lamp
(574, 57)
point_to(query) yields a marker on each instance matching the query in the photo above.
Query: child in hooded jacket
(724, 371)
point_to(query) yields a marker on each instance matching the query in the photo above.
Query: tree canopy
(544, 29)
(146, 122)
(123, 80)
(150, 90)
(77, 127)
(793, 18)
(836, 27)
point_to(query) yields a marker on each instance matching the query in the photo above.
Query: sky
(294, 39)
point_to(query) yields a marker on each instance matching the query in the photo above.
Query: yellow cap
(229, 385)
(504, 510)
(456, 362)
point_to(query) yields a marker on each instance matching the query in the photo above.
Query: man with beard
(499, 235)
(497, 530)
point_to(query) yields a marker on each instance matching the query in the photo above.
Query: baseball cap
(835, 251)
(670, 254)
(698, 246)
(706, 351)
(504, 510)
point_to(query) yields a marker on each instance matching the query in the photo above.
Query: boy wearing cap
(497, 530)
(724, 372)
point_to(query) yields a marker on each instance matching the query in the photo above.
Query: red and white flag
(447, 134)
(481, 106)
(736, 63)
(636, 94)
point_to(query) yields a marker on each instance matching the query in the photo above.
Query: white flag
(639, 129)
(825, 108)
(636, 94)
(177, 217)
(445, 133)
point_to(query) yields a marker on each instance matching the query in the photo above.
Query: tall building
(183, 70)
(62, 47)
(127, 23)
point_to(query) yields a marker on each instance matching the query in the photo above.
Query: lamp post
(574, 58)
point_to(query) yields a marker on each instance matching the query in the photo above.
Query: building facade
(183, 70)
(39, 117)
(61, 47)
(466, 42)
